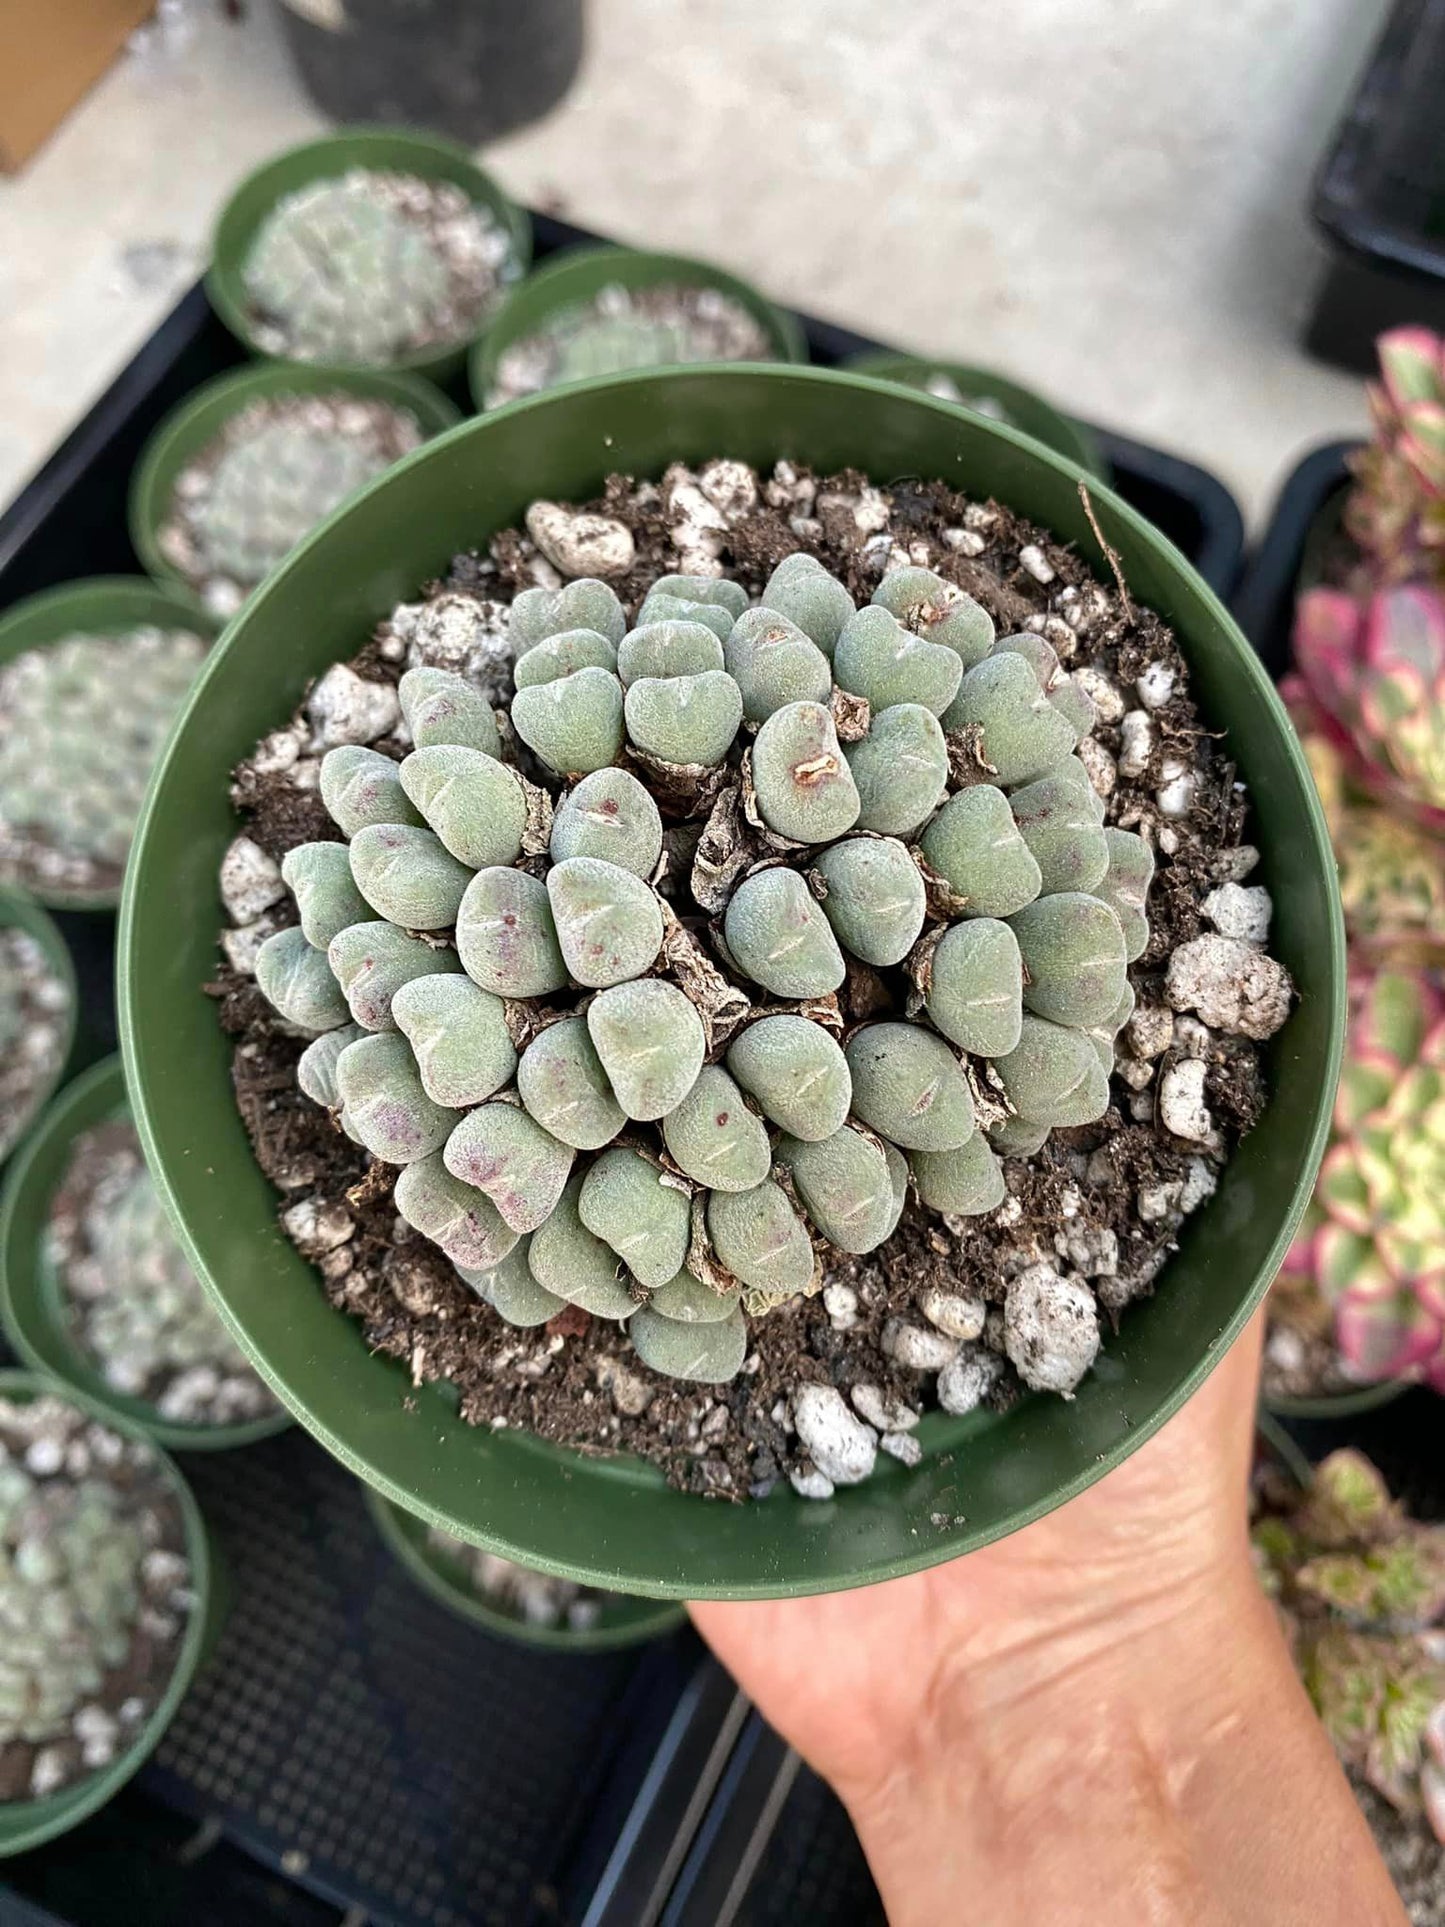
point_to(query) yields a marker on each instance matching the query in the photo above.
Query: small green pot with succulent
(994, 395)
(106, 1596)
(1359, 1311)
(1360, 1588)
(250, 463)
(96, 1292)
(92, 675)
(518, 1602)
(370, 248)
(37, 1014)
(603, 311)
(758, 978)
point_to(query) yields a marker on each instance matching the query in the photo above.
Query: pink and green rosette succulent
(1372, 1246)
(1360, 1587)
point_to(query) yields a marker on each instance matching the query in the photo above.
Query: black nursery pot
(472, 69)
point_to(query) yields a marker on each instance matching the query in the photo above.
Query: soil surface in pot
(81, 721)
(95, 1593)
(1416, 1859)
(836, 1374)
(277, 468)
(133, 1306)
(374, 266)
(622, 328)
(532, 1598)
(34, 1007)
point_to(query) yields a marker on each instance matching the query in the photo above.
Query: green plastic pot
(32, 1308)
(623, 1621)
(192, 427)
(577, 275)
(29, 1823)
(97, 605)
(19, 912)
(401, 149)
(1023, 408)
(1338, 1405)
(615, 1523)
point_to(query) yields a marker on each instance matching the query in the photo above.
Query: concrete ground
(1104, 198)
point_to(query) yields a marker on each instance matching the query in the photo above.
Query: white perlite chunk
(919, 1347)
(841, 1304)
(1101, 691)
(250, 881)
(883, 1414)
(1150, 1031)
(1240, 913)
(965, 1381)
(1175, 793)
(903, 1447)
(1136, 743)
(318, 1227)
(1234, 987)
(1182, 1109)
(1156, 685)
(1098, 765)
(580, 544)
(1032, 558)
(841, 1446)
(811, 1484)
(957, 1314)
(1092, 1250)
(344, 708)
(1051, 1330)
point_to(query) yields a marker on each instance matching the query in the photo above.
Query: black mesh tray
(354, 1751)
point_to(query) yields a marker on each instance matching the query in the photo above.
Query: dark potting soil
(577, 1381)
(1416, 1859)
(56, 1450)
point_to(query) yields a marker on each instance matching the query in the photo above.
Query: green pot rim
(1331, 1405)
(104, 605)
(196, 422)
(630, 1620)
(537, 1501)
(406, 148)
(21, 912)
(30, 1312)
(1033, 413)
(574, 276)
(29, 1823)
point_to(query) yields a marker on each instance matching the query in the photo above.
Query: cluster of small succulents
(1372, 1249)
(534, 1598)
(94, 1594)
(621, 328)
(277, 468)
(34, 1010)
(585, 1108)
(81, 722)
(1369, 703)
(374, 266)
(136, 1309)
(1361, 1589)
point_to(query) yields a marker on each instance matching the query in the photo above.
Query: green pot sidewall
(29, 1823)
(425, 155)
(1027, 408)
(614, 1523)
(31, 1312)
(21, 912)
(1339, 1405)
(190, 428)
(625, 1621)
(577, 275)
(100, 605)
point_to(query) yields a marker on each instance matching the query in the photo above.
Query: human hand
(1067, 1718)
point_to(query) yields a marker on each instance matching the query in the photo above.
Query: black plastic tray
(382, 1758)
(1379, 198)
